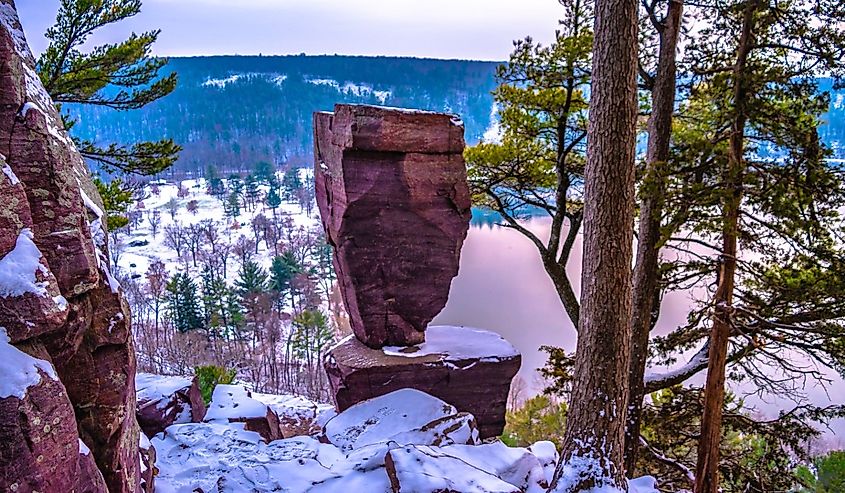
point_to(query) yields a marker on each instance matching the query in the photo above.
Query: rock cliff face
(59, 305)
(392, 191)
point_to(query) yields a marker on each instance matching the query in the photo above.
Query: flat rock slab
(471, 369)
(392, 191)
(167, 400)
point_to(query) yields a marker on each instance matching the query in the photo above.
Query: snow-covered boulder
(422, 469)
(546, 452)
(514, 465)
(166, 400)
(234, 404)
(405, 416)
(298, 415)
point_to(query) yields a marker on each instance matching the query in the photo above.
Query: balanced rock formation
(58, 302)
(470, 369)
(167, 400)
(392, 191)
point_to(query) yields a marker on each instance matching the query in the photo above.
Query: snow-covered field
(134, 261)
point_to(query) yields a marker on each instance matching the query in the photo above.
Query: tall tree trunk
(594, 437)
(707, 468)
(645, 293)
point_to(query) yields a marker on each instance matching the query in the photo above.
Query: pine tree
(282, 271)
(264, 172)
(232, 206)
(273, 200)
(251, 192)
(71, 76)
(252, 279)
(537, 166)
(183, 304)
(116, 200)
(292, 183)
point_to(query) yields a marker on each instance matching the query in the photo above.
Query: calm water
(502, 287)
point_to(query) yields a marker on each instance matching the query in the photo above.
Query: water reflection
(502, 287)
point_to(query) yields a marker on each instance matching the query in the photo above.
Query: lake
(502, 287)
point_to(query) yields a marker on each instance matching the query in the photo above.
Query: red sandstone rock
(468, 368)
(392, 192)
(85, 331)
(163, 401)
(41, 450)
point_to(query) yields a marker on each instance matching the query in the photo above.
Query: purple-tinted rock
(41, 449)
(70, 307)
(470, 369)
(392, 192)
(164, 401)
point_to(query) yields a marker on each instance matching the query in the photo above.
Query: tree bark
(594, 437)
(707, 468)
(646, 272)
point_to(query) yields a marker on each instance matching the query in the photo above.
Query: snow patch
(221, 83)
(18, 268)
(18, 370)
(84, 450)
(457, 344)
(90, 204)
(10, 174)
(9, 20)
(233, 401)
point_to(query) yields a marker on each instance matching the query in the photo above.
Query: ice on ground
(457, 344)
(18, 370)
(18, 268)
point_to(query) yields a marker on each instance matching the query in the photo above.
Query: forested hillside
(234, 110)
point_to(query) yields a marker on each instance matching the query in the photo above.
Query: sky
(464, 29)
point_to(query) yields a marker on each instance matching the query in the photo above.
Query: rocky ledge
(470, 369)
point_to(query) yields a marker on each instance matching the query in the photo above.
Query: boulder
(234, 404)
(422, 469)
(166, 400)
(392, 191)
(470, 369)
(41, 448)
(297, 414)
(406, 416)
(514, 465)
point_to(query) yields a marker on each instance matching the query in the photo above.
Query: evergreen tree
(232, 206)
(116, 200)
(273, 200)
(264, 172)
(537, 164)
(292, 183)
(312, 335)
(282, 271)
(183, 304)
(252, 279)
(71, 76)
(251, 192)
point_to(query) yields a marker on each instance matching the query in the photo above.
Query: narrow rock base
(470, 369)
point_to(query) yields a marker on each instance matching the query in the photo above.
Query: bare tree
(155, 221)
(173, 207)
(175, 238)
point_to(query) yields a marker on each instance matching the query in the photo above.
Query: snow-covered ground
(405, 441)
(135, 260)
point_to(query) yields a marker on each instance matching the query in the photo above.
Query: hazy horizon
(441, 29)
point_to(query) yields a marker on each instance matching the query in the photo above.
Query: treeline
(242, 109)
